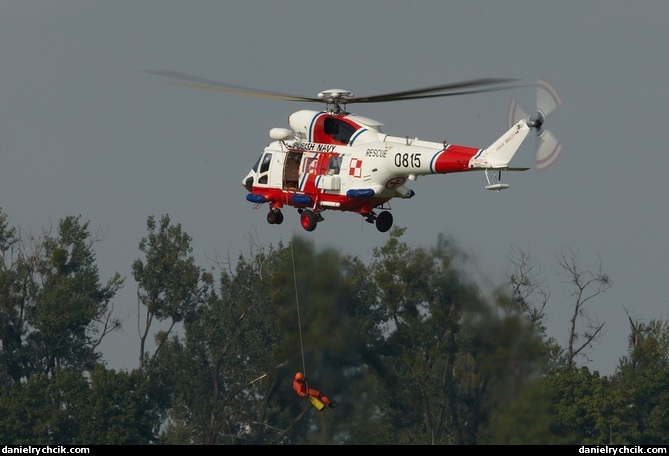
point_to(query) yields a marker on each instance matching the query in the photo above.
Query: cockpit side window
(344, 132)
(266, 160)
(338, 129)
(330, 126)
(263, 175)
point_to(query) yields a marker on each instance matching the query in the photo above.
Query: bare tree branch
(587, 284)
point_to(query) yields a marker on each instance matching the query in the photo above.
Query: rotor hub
(537, 121)
(336, 98)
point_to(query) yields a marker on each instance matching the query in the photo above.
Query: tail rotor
(548, 148)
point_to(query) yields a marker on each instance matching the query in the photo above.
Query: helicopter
(334, 160)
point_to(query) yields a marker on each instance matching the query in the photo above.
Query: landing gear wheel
(308, 220)
(275, 217)
(384, 221)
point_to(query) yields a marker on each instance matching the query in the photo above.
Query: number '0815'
(407, 160)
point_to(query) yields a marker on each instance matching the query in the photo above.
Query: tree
(54, 314)
(641, 383)
(531, 297)
(583, 404)
(324, 329)
(526, 288)
(275, 311)
(221, 371)
(54, 311)
(15, 286)
(170, 284)
(72, 312)
(530, 418)
(588, 284)
(120, 408)
(448, 353)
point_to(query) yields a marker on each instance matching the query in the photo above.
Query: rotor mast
(335, 100)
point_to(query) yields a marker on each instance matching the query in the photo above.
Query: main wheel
(308, 220)
(279, 218)
(384, 221)
(274, 217)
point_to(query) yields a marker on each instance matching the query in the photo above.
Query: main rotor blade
(444, 90)
(436, 95)
(196, 82)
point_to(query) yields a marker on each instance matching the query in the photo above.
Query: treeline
(412, 350)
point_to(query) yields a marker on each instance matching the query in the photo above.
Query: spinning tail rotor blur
(548, 149)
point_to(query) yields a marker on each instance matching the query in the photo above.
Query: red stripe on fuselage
(453, 159)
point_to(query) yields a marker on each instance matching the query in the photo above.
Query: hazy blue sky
(83, 131)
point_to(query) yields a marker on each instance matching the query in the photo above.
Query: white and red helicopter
(335, 160)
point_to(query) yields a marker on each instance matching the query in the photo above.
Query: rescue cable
(315, 401)
(297, 305)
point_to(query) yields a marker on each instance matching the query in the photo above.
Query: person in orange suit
(302, 389)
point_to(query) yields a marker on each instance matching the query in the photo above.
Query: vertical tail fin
(499, 154)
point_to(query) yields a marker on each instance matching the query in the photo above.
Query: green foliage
(70, 300)
(413, 351)
(53, 315)
(122, 409)
(171, 285)
(168, 278)
(585, 404)
(54, 310)
(221, 373)
(641, 415)
(15, 286)
(530, 419)
(448, 355)
(70, 409)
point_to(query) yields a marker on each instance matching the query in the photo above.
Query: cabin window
(334, 165)
(310, 165)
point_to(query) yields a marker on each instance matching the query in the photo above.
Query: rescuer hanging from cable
(302, 389)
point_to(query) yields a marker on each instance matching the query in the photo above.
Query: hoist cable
(297, 305)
